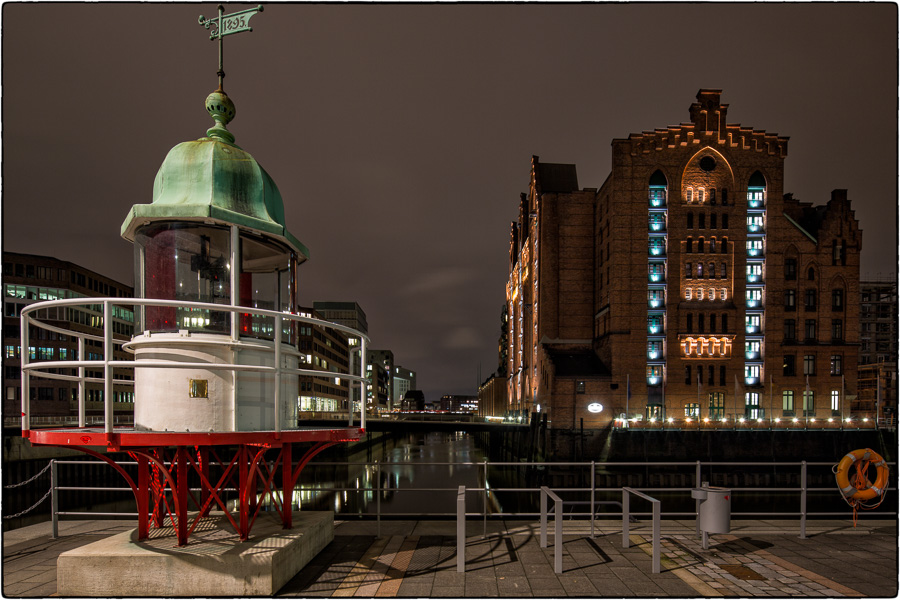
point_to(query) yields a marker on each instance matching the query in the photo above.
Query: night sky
(400, 136)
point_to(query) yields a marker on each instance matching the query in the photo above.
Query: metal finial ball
(220, 107)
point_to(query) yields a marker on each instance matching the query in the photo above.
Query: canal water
(416, 473)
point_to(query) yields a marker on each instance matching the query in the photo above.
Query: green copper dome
(213, 181)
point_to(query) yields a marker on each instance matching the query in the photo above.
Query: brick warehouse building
(688, 286)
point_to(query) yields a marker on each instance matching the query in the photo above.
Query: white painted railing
(31, 318)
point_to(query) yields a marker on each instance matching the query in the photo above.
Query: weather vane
(227, 25)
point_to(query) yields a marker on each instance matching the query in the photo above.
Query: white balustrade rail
(31, 318)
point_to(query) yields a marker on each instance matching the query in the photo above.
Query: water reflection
(411, 472)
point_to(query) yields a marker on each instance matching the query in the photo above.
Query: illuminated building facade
(385, 358)
(878, 349)
(689, 286)
(29, 278)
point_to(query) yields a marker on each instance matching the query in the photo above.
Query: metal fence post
(54, 499)
(378, 497)
(543, 516)
(461, 529)
(698, 475)
(656, 536)
(484, 528)
(803, 500)
(593, 495)
(557, 535)
(625, 517)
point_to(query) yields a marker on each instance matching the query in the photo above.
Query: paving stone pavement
(418, 559)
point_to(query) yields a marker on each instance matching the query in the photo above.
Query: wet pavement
(504, 559)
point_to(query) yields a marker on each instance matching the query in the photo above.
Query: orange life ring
(842, 475)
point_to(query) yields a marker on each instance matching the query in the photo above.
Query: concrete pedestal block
(213, 563)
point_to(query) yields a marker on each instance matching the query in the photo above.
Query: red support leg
(287, 486)
(143, 497)
(244, 492)
(204, 469)
(181, 493)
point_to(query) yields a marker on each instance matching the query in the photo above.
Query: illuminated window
(754, 247)
(751, 405)
(654, 374)
(700, 195)
(754, 223)
(751, 349)
(787, 403)
(656, 298)
(716, 405)
(754, 272)
(809, 403)
(836, 364)
(692, 410)
(711, 293)
(751, 323)
(654, 350)
(753, 297)
(699, 293)
(835, 402)
(699, 270)
(687, 293)
(689, 195)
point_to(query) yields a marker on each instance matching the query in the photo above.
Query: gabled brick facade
(680, 275)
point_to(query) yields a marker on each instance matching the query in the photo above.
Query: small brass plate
(199, 388)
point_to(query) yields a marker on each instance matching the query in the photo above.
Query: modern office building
(385, 358)
(29, 278)
(352, 315)
(878, 349)
(689, 286)
(403, 381)
(377, 388)
(325, 349)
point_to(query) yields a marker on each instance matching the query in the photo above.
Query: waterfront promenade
(418, 559)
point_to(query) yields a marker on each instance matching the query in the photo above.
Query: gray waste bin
(714, 512)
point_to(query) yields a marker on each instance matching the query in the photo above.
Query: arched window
(724, 245)
(701, 245)
(711, 267)
(712, 244)
(724, 220)
(690, 220)
(811, 274)
(712, 196)
(689, 245)
(689, 195)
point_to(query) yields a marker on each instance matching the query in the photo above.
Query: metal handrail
(377, 489)
(626, 514)
(108, 363)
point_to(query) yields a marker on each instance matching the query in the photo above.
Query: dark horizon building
(689, 286)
